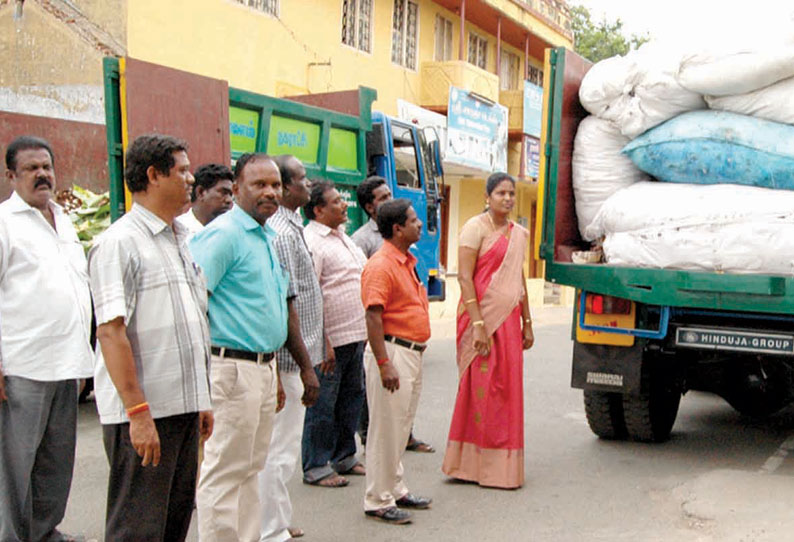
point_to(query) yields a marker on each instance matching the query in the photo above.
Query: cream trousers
(244, 405)
(391, 416)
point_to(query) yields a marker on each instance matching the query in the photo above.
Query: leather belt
(245, 355)
(419, 347)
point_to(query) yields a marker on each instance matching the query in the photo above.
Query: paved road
(720, 478)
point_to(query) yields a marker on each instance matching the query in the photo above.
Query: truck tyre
(604, 412)
(651, 414)
(760, 390)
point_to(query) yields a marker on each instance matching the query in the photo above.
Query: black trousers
(149, 504)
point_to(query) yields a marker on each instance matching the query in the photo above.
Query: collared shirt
(338, 263)
(190, 222)
(390, 280)
(295, 256)
(248, 286)
(368, 238)
(45, 304)
(142, 271)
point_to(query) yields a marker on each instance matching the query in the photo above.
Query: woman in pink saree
(486, 436)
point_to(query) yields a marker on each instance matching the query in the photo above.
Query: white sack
(752, 247)
(598, 168)
(775, 102)
(655, 204)
(729, 228)
(738, 71)
(638, 91)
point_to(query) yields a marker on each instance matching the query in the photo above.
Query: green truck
(644, 337)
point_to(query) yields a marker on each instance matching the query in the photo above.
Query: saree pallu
(486, 436)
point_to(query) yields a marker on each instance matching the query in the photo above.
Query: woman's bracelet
(478, 323)
(527, 320)
(469, 301)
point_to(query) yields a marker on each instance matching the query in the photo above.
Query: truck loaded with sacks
(666, 198)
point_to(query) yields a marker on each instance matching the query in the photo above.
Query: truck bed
(559, 235)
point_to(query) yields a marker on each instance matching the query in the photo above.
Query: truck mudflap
(608, 368)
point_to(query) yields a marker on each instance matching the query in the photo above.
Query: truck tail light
(606, 304)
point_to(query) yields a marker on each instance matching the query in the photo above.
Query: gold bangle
(478, 323)
(527, 320)
(472, 300)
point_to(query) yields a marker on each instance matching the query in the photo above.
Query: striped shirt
(338, 263)
(295, 257)
(141, 270)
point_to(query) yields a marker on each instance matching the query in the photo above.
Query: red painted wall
(80, 149)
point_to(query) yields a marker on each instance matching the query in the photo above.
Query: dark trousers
(330, 425)
(38, 431)
(149, 504)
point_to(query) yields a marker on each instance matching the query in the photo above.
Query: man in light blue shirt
(251, 316)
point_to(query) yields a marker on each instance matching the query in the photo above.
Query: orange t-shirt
(390, 280)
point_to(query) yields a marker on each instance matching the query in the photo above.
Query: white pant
(282, 462)
(391, 416)
(244, 405)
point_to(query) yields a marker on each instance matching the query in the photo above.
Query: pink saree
(486, 436)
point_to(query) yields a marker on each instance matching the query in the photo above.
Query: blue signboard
(533, 109)
(476, 132)
(532, 156)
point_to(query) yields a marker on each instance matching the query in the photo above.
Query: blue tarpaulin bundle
(711, 147)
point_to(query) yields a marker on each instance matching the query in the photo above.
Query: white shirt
(189, 221)
(45, 304)
(141, 270)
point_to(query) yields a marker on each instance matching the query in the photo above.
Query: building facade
(415, 53)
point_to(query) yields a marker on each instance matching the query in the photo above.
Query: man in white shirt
(210, 198)
(45, 318)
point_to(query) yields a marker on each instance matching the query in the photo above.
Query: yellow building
(411, 51)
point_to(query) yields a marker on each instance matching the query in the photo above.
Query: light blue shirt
(248, 285)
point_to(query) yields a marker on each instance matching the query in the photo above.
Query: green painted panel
(355, 216)
(342, 149)
(243, 127)
(296, 137)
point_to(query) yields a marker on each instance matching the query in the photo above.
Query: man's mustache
(43, 181)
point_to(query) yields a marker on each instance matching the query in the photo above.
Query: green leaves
(597, 41)
(91, 217)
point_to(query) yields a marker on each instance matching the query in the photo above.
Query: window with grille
(478, 50)
(357, 24)
(509, 72)
(535, 76)
(443, 33)
(405, 33)
(266, 6)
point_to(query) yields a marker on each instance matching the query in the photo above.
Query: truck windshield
(405, 163)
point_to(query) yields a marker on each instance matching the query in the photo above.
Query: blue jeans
(329, 427)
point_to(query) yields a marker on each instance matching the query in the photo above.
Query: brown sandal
(333, 480)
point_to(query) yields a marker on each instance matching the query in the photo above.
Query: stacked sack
(708, 122)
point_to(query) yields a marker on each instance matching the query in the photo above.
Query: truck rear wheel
(651, 414)
(604, 412)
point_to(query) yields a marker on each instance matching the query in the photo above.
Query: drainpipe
(499, 49)
(461, 48)
(18, 9)
(526, 56)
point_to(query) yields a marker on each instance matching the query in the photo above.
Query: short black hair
(317, 196)
(282, 161)
(364, 191)
(496, 178)
(208, 175)
(394, 211)
(244, 159)
(156, 150)
(24, 143)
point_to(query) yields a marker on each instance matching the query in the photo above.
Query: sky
(697, 20)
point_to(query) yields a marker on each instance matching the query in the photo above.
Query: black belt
(231, 353)
(419, 347)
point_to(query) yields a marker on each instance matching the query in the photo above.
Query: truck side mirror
(435, 150)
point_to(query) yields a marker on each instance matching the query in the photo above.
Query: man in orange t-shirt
(398, 327)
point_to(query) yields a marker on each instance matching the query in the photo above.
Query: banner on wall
(533, 109)
(531, 156)
(476, 132)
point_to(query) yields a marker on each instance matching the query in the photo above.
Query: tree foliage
(597, 41)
